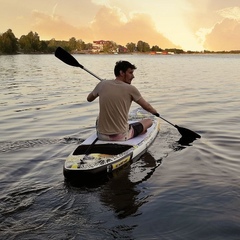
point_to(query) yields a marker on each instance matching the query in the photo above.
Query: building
(98, 46)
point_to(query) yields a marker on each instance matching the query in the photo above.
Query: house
(98, 46)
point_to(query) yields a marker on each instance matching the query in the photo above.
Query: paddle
(67, 58)
(88, 151)
(187, 134)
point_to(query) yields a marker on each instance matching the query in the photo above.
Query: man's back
(115, 98)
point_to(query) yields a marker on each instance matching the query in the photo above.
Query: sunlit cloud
(186, 24)
(138, 27)
(120, 29)
(49, 27)
(201, 34)
(54, 9)
(224, 36)
(230, 13)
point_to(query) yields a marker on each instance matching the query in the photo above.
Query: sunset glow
(187, 24)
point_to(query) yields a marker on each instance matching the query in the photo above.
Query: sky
(194, 25)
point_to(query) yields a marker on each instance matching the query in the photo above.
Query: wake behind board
(107, 156)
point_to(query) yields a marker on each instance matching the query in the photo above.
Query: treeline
(31, 43)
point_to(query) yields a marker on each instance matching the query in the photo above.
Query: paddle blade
(187, 133)
(67, 58)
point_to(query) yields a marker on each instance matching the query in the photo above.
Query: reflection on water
(117, 189)
(178, 190)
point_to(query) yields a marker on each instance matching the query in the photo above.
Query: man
(115, 98)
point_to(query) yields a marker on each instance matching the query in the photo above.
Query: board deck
(107, 156)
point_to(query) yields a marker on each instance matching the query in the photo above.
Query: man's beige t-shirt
(115, 98)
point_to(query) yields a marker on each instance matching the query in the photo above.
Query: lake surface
(172, 192)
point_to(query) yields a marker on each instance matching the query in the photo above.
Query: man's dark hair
(122, 66)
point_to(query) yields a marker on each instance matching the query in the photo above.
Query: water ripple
(175, 191)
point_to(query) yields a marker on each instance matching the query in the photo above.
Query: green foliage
(131, 47)
(8, 43)
(110, 47)
(31, 43)
(143, 46)
(72, 43)
(174, 50)
(156, 48)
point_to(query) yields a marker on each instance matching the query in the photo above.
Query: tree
(72, 44)
(143, 46)
(156, 48)
(174, 50)
(30, 42)
(88, 46)
(131, 47)
(43, 47)
(109, 47)
(52, 45)
(80, 45)
(8, 42)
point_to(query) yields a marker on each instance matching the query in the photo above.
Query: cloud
(230, 13)
(215, 23)
(49, 27)
(108, 24)
(193, 24)
(224, 36)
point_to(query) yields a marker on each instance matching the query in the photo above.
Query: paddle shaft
(70, 60)
(90, 147)
(167, 121)
(67, 58)
(91, 73)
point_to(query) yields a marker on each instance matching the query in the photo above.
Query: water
(172, 192)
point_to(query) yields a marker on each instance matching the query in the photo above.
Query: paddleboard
(107, 156)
